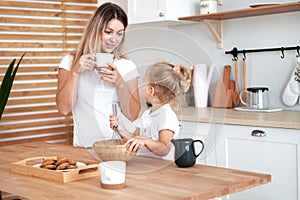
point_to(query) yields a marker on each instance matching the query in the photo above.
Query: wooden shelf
(248, 12)
(208, 19)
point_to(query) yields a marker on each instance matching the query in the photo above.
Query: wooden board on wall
(46, 30)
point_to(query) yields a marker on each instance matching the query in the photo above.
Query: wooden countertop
(145, 178)
(280, 119)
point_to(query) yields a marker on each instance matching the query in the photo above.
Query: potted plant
(7, 83)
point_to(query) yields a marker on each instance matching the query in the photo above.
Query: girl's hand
(135, 144)
(110, 74)
(86, 62)
(113, 121)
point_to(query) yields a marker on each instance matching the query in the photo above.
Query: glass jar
(208, 6)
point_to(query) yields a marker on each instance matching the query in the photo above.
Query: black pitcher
(185, 155)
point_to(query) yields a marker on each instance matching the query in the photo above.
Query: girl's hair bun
(185, 76)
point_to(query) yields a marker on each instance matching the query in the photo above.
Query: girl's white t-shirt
(150, 124)
(94, 99)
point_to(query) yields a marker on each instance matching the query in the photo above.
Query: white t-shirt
(150, 124)
(94, 102)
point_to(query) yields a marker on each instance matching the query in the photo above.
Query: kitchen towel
(201, 81)
(292, 90)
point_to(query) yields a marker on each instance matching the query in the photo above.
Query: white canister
(200, 85)
(113, 174)
(208, 6)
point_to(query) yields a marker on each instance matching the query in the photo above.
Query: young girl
(163, 84)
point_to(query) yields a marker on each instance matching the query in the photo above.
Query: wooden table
(145, 179)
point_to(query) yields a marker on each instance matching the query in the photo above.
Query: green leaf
(7, 83)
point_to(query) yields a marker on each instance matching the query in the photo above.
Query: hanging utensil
(236, 93)
(244, 94)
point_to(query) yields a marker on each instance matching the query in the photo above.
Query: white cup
(102, 59)
(113, 174)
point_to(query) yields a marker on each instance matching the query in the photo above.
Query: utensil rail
(234, 52)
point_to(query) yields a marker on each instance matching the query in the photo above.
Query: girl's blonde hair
(169, 82)
(95, 27)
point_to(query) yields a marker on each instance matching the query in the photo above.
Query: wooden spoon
(244, 91)
(236, 93)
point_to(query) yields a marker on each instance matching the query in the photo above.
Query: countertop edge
(281, 119)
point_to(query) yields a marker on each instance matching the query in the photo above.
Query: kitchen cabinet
(143, 11)
(218, 17)
(199, 131)
(273, 151)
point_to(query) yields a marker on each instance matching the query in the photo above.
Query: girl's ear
(151, 90)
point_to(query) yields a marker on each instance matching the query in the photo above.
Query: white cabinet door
(142, 11)
(276, 153)
(146, 10)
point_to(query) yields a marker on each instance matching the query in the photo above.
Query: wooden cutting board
(224, 89)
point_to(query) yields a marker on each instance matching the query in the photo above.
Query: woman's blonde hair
(95, 27)
(169, 81)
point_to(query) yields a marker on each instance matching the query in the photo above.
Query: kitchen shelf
(218, 17)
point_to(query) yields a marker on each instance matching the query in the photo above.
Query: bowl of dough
(112, 149)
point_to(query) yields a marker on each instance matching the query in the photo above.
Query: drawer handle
(161, 14)
(258, 133)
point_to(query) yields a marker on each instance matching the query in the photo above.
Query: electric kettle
(257, 98)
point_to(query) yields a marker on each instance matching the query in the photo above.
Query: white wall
(193, 43)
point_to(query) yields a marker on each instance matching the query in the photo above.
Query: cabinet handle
(258, 133)
(161, 14)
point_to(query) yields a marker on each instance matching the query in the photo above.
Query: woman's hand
(110, 74)
(113, 121)
(86, 62)
(136, 143)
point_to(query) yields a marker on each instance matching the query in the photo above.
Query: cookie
(62, 166)
(48, 162)
(52, 167)
(72, 162)
(62, 160)
(72, 166)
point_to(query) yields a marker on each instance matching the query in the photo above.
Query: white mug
(113, 174)
(103, 59)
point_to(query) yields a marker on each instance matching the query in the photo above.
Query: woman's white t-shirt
(94, 99)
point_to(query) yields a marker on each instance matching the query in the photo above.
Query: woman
(88, 93)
